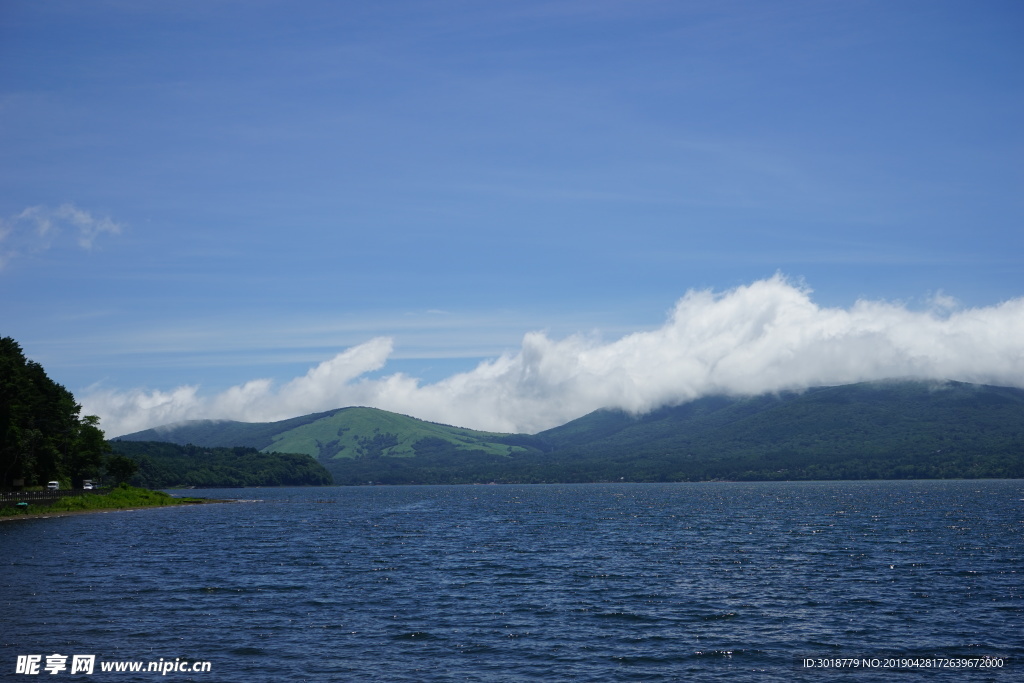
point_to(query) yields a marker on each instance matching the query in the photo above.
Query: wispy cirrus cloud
(764, 337)
(39, 228)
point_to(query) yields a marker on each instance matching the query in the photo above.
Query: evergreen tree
(42, 436)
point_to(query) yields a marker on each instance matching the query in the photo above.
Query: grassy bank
(122, 497)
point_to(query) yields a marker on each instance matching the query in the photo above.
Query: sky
(504, 215)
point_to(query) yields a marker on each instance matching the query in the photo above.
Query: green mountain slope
(864, 431)
(358, 445)
(227, 433)
(369, 432)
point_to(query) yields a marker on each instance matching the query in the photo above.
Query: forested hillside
(165, 465)
(345, 433)
(882, 430)
(877, 430)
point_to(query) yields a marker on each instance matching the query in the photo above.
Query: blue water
(598, 582)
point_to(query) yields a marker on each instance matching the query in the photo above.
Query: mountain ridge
(889, 429)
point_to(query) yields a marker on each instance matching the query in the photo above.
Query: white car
(53, 486)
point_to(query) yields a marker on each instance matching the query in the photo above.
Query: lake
(587, 582)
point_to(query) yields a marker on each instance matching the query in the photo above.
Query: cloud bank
(39, 228)
(764, 337)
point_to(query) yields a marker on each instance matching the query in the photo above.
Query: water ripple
(596, 582)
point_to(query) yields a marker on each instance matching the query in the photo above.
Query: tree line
(167, 465)
(43, 435)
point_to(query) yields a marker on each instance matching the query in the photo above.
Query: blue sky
(197, 195)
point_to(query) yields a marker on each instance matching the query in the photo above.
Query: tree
(42, 437)
(90, 448)
(121, 468)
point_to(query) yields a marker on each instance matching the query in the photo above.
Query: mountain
(360, 445)
(891, 430)
(861, 431)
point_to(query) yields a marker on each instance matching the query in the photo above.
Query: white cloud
(764, 337)
(39, 228)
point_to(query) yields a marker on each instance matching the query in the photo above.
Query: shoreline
(68, 513)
